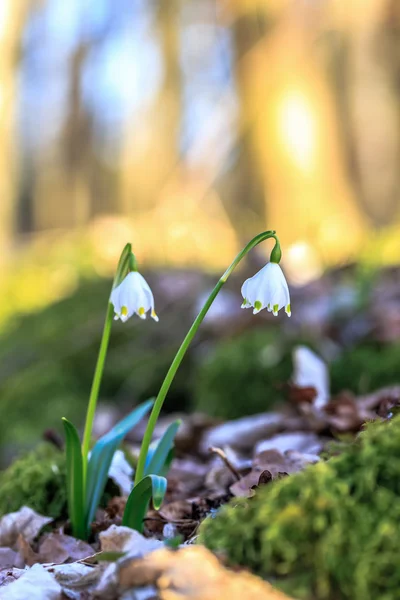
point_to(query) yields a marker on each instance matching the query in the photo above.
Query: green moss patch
(329, 532)
(36, 480)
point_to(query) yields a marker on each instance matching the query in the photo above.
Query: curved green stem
(182, 351)
(94, 391)
(121, 272)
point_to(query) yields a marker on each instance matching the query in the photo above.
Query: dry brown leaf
(57, 548)
(124, 539)
(26, 522)
(34, 584)
(267, 465)
(193, 573)
(8, 558)
(27, 555)
(347, 413)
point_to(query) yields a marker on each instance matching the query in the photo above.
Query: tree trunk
(13, 14)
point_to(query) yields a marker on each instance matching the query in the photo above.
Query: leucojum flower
(133, 295)
(267, 288)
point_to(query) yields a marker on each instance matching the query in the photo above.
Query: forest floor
(215, 462)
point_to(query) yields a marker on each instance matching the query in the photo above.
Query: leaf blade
(157, 457)
(75, 492)
(102, 455)
(151, 486)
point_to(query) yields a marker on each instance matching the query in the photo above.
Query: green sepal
(276, 253)
(123, 265)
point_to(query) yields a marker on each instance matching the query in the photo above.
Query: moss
(243, 375)
(366, 368)
(329, 532)
(36, 480)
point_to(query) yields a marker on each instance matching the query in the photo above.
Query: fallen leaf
(244, 433)
(193, 573)
(76, 576)
(346, 413)
(8, 576)
(25, 522)
(267, 465)
(27, 555)
(124, 539)
(301, 441)
(58, 548)
(35, 584)
(8, 558)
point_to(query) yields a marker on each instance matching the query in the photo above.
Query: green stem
(182, 351)
(94, 392)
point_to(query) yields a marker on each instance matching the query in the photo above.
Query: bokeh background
(186, 127)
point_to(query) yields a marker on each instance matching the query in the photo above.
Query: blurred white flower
(133, 295)
(267, 289)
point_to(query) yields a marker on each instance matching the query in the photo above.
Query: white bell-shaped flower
(133, 295)
(267, 289)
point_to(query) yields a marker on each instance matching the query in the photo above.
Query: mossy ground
(329, 532)
(37, 480)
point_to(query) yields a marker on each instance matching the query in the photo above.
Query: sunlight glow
(302, 263)
(298, 129)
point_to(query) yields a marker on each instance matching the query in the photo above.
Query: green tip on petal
(288, 310)
(275, 309)
(257, 305)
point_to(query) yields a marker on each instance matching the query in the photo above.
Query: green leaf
(75, 491)
(160, 452)
(102, 455)
(151, 486)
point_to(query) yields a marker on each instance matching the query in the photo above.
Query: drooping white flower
(133, 295)
(267, 289)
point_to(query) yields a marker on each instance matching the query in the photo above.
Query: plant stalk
(94, 391)
(182, 351)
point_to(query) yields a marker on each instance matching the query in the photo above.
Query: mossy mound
(243, 375)
(329, 532)
(366, 368)
(37, 480)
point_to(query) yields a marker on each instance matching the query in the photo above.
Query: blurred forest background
(186, 127)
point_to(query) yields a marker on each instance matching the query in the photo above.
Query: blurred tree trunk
(150, 151)
(309, 199)
(244, 187)
(62, 191)
(13, 15)
(372, 90)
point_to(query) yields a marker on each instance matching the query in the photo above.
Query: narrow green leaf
(158, 454)
(75, 491)
(151, 486)
(102, 455)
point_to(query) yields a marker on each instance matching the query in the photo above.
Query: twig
(219, 452)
